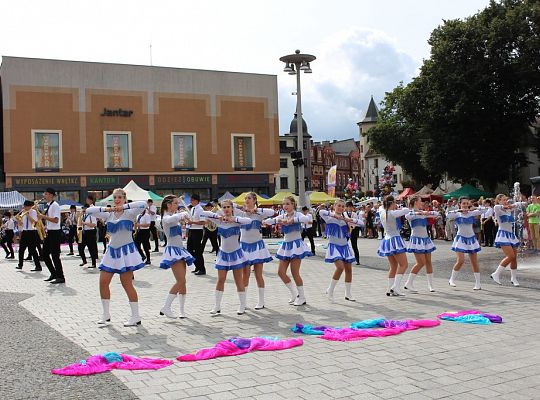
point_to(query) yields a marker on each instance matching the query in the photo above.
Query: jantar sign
(116, 113)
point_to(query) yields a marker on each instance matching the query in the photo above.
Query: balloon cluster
(352, 191)
(386, 181)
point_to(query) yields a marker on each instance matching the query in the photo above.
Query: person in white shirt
(71, 223)
(7, 240)
(152, 213)
(307, 229)
(29, 236)
(143, 226)
(89, 238)
(488, 224)
(195, 235)
(51, 244)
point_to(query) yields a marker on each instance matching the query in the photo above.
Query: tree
(473, 101)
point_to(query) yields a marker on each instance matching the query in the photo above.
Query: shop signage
(102, 181)
(183, 180)
(39, 182)
(243, 179)
(119, 112)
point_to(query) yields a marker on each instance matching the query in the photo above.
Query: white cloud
(351, 66)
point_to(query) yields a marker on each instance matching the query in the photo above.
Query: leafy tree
(473, 101)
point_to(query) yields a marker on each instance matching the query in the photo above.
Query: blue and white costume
(122, 254)
(293, 246)
(251, 238)
(465, 240)
(174, 251)
(392, 242)
(337, 231)
(505, 234)
(419, 241)
(230, 255)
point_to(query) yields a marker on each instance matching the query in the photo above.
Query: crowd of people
(236, 236)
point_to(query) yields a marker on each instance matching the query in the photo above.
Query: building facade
(372, 164)
(84, 127)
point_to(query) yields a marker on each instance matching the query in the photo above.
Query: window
(184, 151)
(71, 195)
(117, 149)
(284, 182)
(47, 154)
(283, 163)
(376, 163)
(243, 152)
(99, 194)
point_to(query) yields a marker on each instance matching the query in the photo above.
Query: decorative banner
(331, 181)
(183, 152)
(243, 153)
(117, 151)
(46, 151)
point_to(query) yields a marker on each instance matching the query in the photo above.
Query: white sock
(182, 299)
(261, 297)
(134, 305)
(105, 303)
(513, 274)
(477, 279)
(217, 304)
(169, 300)
(292, 289)
(410, 280)
(397, 282)
(498, 271)
(430, 280)
(242, 298)
(348, 292)
(331, 288)
(390, 283)
(301, 292)
(454, 275)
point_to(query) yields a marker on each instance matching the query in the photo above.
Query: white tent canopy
(133, 192)
(226, 196)
(439, 191)
(11, 199)
(426, 190)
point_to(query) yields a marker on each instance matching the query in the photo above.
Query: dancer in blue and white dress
(293, 249)
(465, 241)
(392, 245)
(506, 240)
(122, 256)
(230, 256)
(339, 249)
(419, 243)
(252, 243)
(175, 256)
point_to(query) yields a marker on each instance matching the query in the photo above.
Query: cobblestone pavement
(453, 360)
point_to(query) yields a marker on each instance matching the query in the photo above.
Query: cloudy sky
(363, 47)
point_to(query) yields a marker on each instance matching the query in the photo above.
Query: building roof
(293, 130)
(372, 112)
(344, 146)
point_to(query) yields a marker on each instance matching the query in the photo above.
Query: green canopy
(468, 191)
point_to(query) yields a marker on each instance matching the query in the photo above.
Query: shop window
(184, 151)
(117, 151)
(99, 194)
(283, 163)
(47, 150)
(243, 152)
(69, 195)
(31, 195)
(284, 182)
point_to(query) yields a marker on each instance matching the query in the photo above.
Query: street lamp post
(294, 63)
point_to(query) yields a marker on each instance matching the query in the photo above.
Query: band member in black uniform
(194, 242)
(152, 213)
(8, 228)
(71, 222)
(355, 231)
(89, 238)
(210, 231)
(142, 235)
(51, 244)
(29, 236)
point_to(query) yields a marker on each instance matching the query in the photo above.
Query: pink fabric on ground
(349, 334)
(227, 348)
(98, 364)
(459, 313)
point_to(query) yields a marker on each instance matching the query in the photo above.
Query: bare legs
(509, 259)
(460, 260)
(297, 289)
(177, 290)
(126, 279)
(340, 267)
(422, 259)
(258, 269)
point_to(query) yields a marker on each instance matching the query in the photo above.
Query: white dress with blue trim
(337, 231)
(505, 234)
(392, 242)
(293, 246)
(251, 238)
(174, 251)
(122, 254)
(230, 255)
(420, 242)
(465, 240)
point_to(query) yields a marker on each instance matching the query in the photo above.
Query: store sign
(40, 182)
(183, 180)
(102, 181)
(243, 179)
(116, 113)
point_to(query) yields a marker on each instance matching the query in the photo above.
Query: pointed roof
(294, 127)
(372, 112)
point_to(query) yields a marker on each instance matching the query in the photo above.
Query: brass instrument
(80, 227)
(38, 225)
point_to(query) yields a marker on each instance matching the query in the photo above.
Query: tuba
(39, 226)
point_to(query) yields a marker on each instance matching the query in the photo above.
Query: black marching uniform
(89, 239)
(29, 240)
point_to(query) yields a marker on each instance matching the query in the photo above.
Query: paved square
(450, 361)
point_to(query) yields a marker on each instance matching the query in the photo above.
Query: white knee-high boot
(348, 292)
(260, 304)
(293, 291)
(217, 304)
(330, 290)
(182, 299)
(106, 315)
(409, 285)
(301, 299)
(430, 282)
(242, 307)
(135, 317)
(166, 310)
